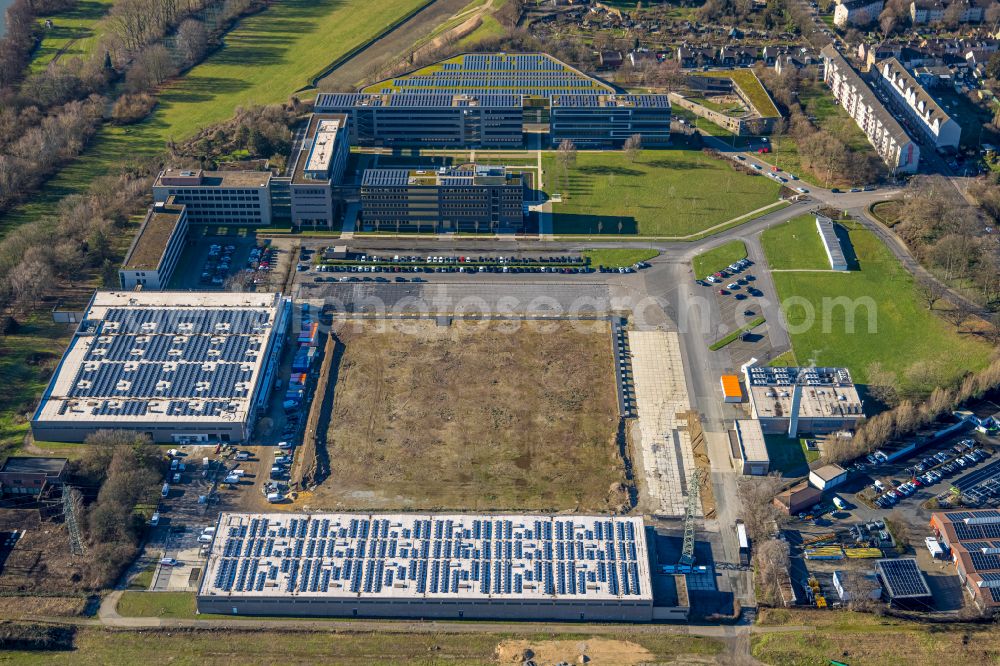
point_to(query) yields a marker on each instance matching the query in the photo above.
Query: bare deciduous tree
(632, 147)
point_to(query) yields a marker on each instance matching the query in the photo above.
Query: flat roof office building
(816, 401)
(486, 100)
(466, 198)
(179, 366)
(218, 197)
(157, 247)
(318, 167)
(524, 567)
(890, 140)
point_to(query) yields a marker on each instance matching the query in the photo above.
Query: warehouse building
(749, 448)
(903, 583)
(179, 366)
(157, 247)
(528, 567)
(816, 401)
(466, 198)
(800, 498)
(890, 140)
(922, 109)
(973, 537)
(828, 476)
(487, 100)
(218, 197)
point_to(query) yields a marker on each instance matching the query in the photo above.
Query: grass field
(894, 329)
(789, 456)
(499, 417)
(341, 645)
(266, 58)
(157, 604)
(864, 638)
(795, 245)
(664, 192)
(718, 258)
(887, 212)
(817, 101)
(618, 257)
(74, 33)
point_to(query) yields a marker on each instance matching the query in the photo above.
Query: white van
(274, 498)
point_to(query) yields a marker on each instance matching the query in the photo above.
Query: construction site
(500, 414)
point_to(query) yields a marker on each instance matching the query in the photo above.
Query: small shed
(828, 476)
(798, 499)
(731, 390)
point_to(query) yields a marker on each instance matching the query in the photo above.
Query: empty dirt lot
(473, 416)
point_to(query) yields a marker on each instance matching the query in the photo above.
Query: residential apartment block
(892, 143)
(857, 12)
(467, 198)
(924, 112)
(935, 11)
(218, 197)
(157, 247)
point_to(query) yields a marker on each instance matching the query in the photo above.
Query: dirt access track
(476, 415)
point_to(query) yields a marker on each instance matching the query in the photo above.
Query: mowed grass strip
(74, 33)
(474, 416)
(890, 325)
(617, 257)
(718, 258)
(265, 59)
(719, 344)
(661, 193)
(795, 245)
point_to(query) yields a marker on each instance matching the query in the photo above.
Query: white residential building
(927, 114)
(934, 11)
(892, 143)
(857, 12)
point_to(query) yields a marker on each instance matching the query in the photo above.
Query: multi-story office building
(318, 167)
(218, 197)
(816, 401)
(157, 247)
(924, 112)
(892, 143)
(935, 11)
(857, 12)
(467, 198)
(486, 100)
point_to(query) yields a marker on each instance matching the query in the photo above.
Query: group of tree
(48, 116)
(908, 417)
(955, 240)
(258, 132)
(127, 469)
(776, 16)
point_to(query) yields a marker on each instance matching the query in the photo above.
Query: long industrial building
(816, 401)
(468, 198)
(157, 248)
(179, 366)
(890, 140)
(973, 537)
(489, 100)
(530, 567)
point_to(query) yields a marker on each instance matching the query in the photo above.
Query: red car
(723, 292)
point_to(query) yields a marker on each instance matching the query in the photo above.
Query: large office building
(218, 197)
(891, 142)
(179, 366)
(157, 247)
(973, 537)
(466, 198)
(488, 100)
(813, 401)
(525, 567)
(922, 109)
(318, 166)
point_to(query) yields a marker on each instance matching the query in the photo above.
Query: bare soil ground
(473, 416)
(596, 650)
(41, 561)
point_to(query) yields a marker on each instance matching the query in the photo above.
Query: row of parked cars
(492, 268)
(930, 470)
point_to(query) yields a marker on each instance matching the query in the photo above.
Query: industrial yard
(476, 415)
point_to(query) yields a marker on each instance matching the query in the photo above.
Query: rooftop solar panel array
(903, 578)
(780, 376)
(978, 529)
(441, 556)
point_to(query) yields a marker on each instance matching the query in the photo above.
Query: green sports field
(662, 193)
(881, 294)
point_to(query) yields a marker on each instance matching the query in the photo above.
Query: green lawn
(27, 359)
(795, 244)
(266, 58)
(718, 258)
(890, 324)
(157, 604)
(789, 456)
(662, 193)
(74, 33)
(617, 257)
